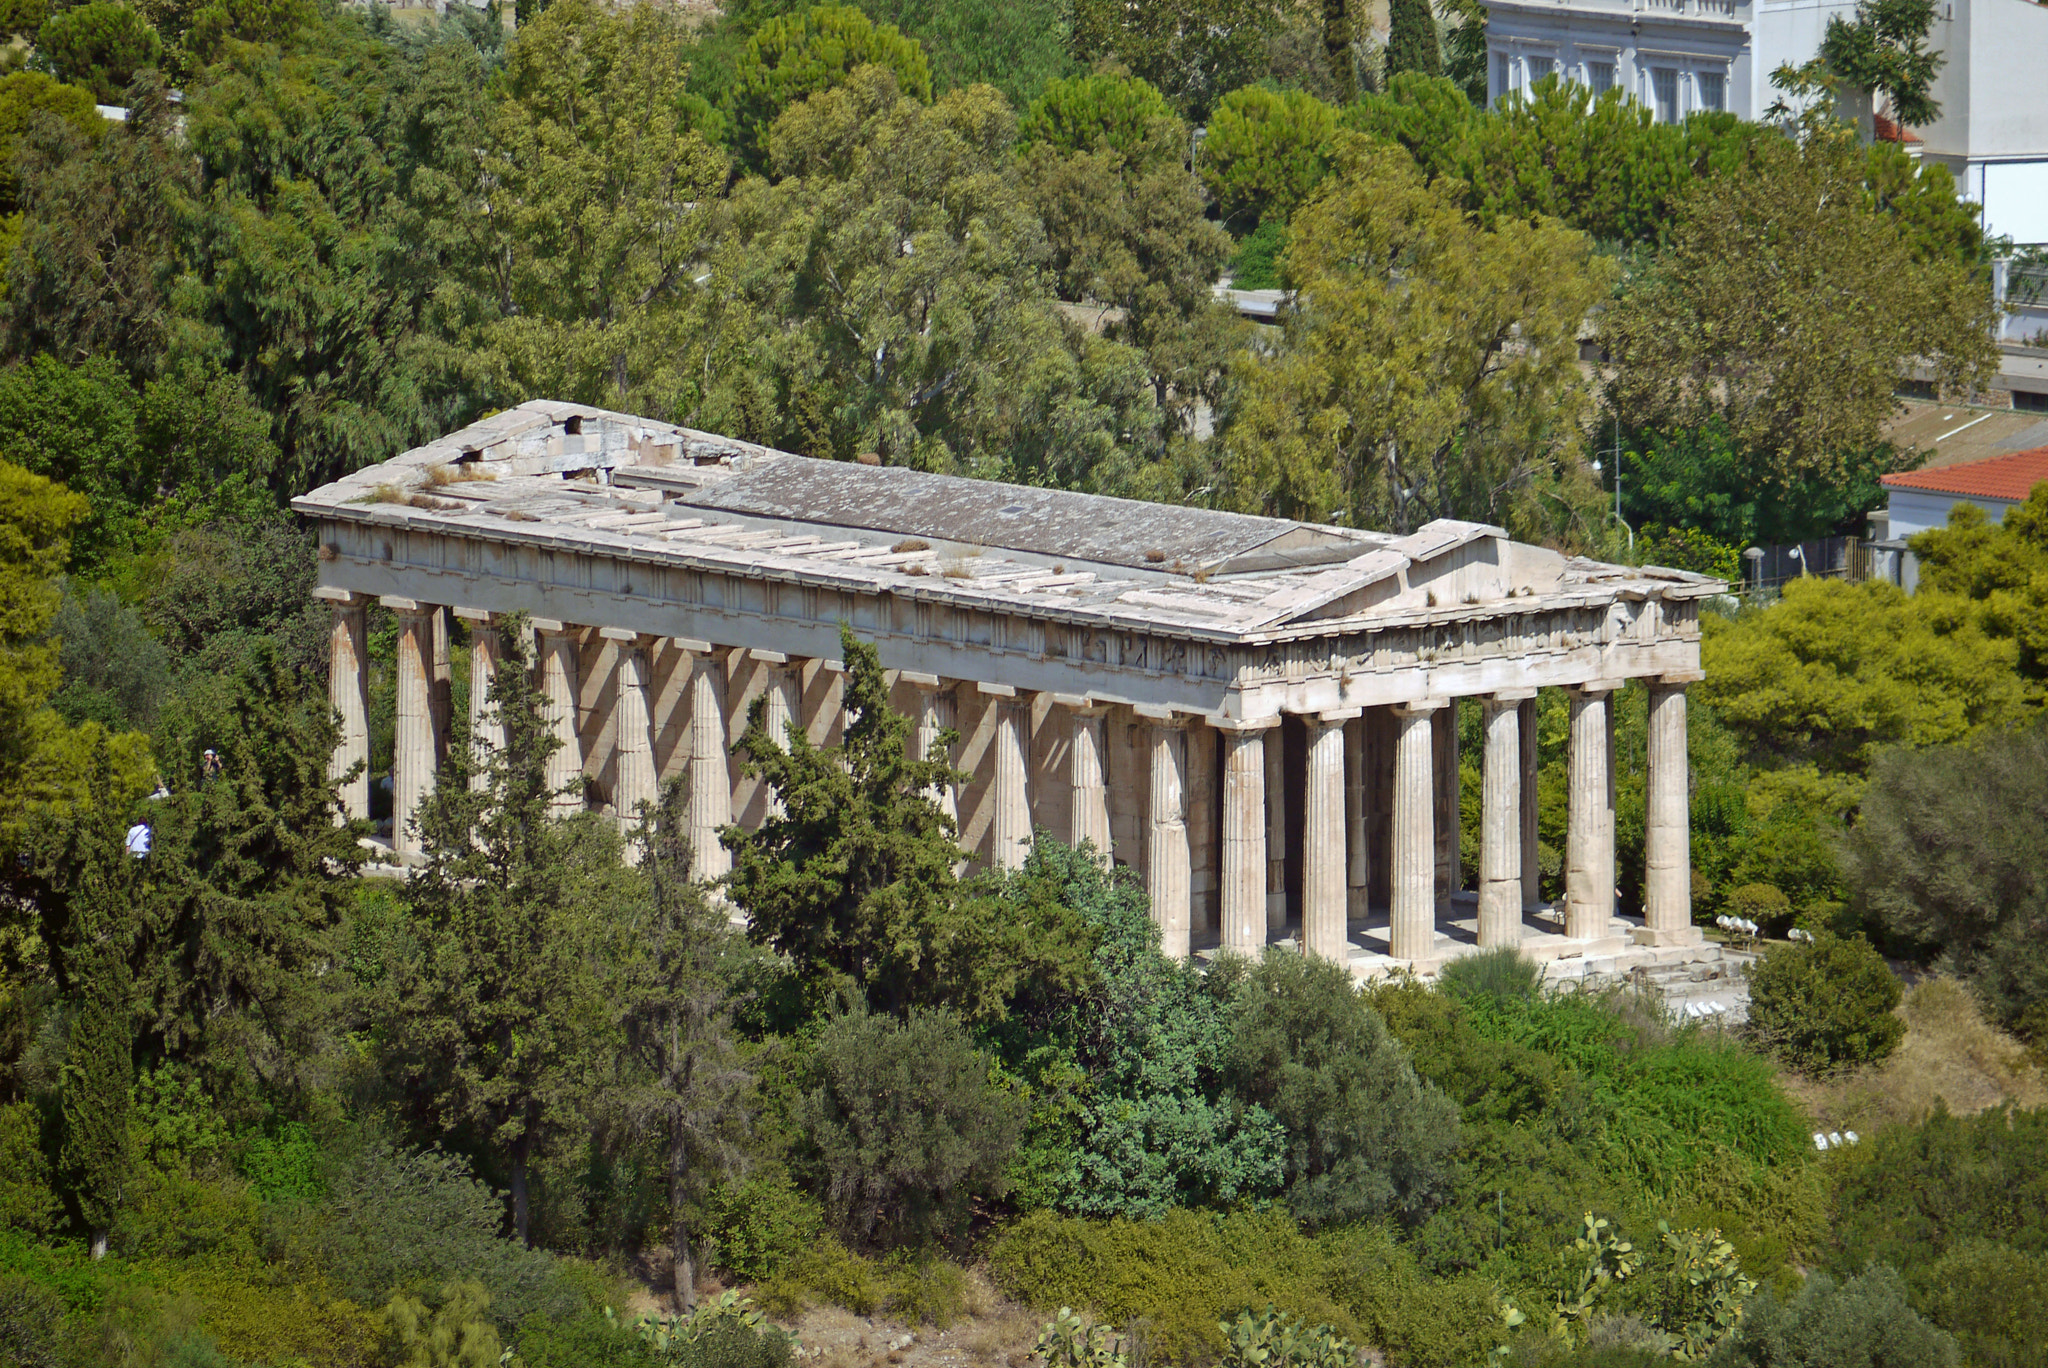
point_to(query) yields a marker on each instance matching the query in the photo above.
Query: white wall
(1916, 510)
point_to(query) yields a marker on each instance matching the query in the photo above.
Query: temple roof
(587, 480)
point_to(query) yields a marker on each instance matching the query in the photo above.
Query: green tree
(689, 1082)
(1395, 395)
(1786, 306)
(24, 95)
(1365, 1138)
(792, 57)
(1825, 1004)
(1949, 852)
(1265, 153)
(1017, 46)
(1412, 43)
(100, 884)
(1866, 1322)
(495, 1011)
(1195, 51)
(903, 1127)
(36, 517)
(99, 46)
(2001, 569)
(1884, 51)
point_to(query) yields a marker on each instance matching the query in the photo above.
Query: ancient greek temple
(1256, 715)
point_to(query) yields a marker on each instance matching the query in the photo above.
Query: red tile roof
(2002, 477)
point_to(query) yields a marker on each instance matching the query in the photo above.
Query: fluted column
(1411, 933)
(1450, 874)
(778, 712)
(1010, 829)
(412, 756)
(1667, 856)
(935, 717)
(443, 690)
(1500, 828)
(486, 732)
(1357, 852)
(1532, 858)
(560, 665)
(710, 766)
(1088, 786)
(1276, 835)
(1166, 835)
(1589, 838)
(1323, 889)
(348, 692)
(632, 732)
(1244, 834)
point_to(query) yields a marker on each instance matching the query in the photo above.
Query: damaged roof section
(589, 481)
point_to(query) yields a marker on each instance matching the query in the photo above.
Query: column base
(1678, 935)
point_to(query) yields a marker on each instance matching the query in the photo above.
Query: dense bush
(1503, 972)
(27, 1200)
(903, 1130)
(1825, 1004)
(30, 1322)
(757, 1226)
(1865, 1322)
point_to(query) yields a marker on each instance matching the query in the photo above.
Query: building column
(1010, 831)
(632, 733)
(560, 664)
(443, 689)
(1088, 786)
(1532, 853)
(1276, 836)
(710, 766)
(778, 713)
(1244, 834)
(1589, 838)
(935, 717)
(1411, 932)
(1450, 873)
(486, 731)
(1380, 726)
(1500, 830)
(348, 692)
(1667, 855)
(1324, 899)
(1357, 851)
(412, 755)
(1166, 835)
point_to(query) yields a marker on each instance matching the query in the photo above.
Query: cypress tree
(99, 1061)
(1411, 39)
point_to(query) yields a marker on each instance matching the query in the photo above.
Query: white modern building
(1679, 57)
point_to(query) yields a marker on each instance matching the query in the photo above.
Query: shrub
(1365, 1137)
(455, 1332)
(1825, 1004)
(1863, 1323)
(926, 1290)
(1257, 263)
(904, 1128)
(758, 1226)
(284, 1167)
(830, 1273)
(30, 1318)
(1502, 972)
(27, 1200)
(1993, 1298)
(1763, 904)
(732, 1344)
(301, 1322)
(1417, 1320)
(588, 1340)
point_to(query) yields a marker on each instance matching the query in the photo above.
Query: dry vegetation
(1950, 1054)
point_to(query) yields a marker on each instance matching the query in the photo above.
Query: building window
(1539, 67)
(1664, 93)
(1600, 76)
(1713, 87)
(1500, 75)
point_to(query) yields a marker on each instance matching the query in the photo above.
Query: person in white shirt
(138, 840)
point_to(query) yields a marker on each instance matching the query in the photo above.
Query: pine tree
(1412, 40)
(99, 1063)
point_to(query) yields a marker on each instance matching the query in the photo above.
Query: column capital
(768, 657)
(1159, 716)
(1241, 724)
(1508, 697)
(916, 679)
(995, 690)
(1420, 707)
(551, 626)
(1598, 686)
(483, 616)
(1085, 705)
(340, 598)
(619, 634)
(401, 605)
(1678, 679)
(1335, 717)
(692, 646)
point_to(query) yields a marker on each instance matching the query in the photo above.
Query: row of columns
(1342, 820)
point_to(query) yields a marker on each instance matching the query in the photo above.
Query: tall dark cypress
(99, 1061)
(1411, 39)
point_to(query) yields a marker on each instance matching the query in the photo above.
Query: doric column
(1276, 835)
(1244, 833)
(1411, 933)
(560, 665)
(935, 717)
(1380, 726)
(1357, 851)
(1500, 827)
(1532, 856)
(710, 766)
(632, 731)
(1667, 857)
(412, 755)
(443, 693)
(1087, 784)
(1450, 874)
(348, 691)
(486, 732)
(1589, 838)
(1323, 890)
(1010, 831)
(1166, 834)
